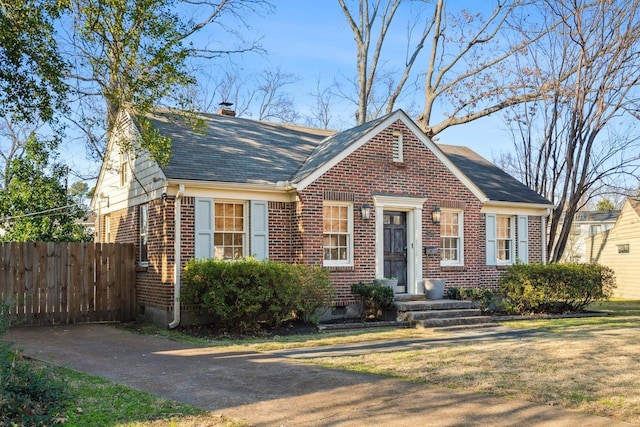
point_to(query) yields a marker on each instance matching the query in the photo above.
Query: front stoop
(419, 312)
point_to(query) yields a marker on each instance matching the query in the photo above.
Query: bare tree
(262, 96)
(368, 56)
(321, 114)
(467, 68)
(574, 145)
(274, 103)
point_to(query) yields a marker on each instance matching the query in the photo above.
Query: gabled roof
(635, 205)
(496, 184)
(335, 145)
(237, 150)
(596, 216)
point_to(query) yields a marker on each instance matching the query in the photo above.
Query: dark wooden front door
(395, 247)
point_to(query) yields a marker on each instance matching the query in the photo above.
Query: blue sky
(311, 39)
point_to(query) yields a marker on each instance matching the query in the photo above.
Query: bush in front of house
(374, 297)
(29, 396)
(483, 296)
(247, 294)
(555, 288)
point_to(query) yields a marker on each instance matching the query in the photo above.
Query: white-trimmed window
(451, 238)
(229, 233)
(501, 244)
(223, 231)
(124, 167)
(144, 234)
(504, 239)
(337, 234)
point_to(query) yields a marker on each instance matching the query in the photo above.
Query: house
(587, 224)
(619, 249)
(380, 199)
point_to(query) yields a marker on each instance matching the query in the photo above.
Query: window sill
(142, 268)
(340, 267)
(453, 268)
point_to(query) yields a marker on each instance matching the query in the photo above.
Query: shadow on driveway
(272, 388)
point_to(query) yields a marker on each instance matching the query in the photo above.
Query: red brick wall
(295, 228)
(370, 170)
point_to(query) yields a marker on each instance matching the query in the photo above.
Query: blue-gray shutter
(203, 227)
(490, 238)
(523, 239)
(259, 229)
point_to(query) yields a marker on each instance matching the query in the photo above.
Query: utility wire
(10, 218)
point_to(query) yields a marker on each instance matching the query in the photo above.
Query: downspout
(543, 220)
(176, 258)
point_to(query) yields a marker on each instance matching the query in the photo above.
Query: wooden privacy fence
(49, 283)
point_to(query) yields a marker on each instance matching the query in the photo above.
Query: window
(501, 245)
(123, 168)
(451, 249)
(504, 239)
(229, 231)
(338, 234)
(397, 147)
(595, 229)
(144, 234)
(623, 249)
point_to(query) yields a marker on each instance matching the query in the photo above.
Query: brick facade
(296, 227)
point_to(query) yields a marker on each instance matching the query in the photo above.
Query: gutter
(177, 243)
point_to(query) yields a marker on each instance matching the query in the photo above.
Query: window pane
(337, 234)
(451, 236)
(229, 231)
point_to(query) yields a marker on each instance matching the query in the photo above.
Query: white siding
(145, 179)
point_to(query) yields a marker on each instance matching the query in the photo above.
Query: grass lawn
(98, 402)
(589, 364)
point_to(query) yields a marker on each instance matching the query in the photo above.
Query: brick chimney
(225, 109)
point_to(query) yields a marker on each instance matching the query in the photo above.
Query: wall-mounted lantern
(365, 211)
(435, 215)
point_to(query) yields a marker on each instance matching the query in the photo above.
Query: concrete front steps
(418, 312)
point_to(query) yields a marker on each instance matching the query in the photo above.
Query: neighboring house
(619, 248)
(380, 199)
(585, 225)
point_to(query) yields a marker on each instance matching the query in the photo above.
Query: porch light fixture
(435, 215)
(365, 211)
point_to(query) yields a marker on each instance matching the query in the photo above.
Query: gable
(338, 147)
(143, 178)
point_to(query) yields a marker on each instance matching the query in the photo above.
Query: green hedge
(374, 298)
(247, 294)
(555, 288)
(483, 296)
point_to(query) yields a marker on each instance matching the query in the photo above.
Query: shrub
(317, 292)
(246, 294)
(28, 396)
(555, 288)
(374, 297)
(483, 296)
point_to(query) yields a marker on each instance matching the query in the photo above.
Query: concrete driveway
(276, 388)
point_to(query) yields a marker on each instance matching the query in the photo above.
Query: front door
(395, 247)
